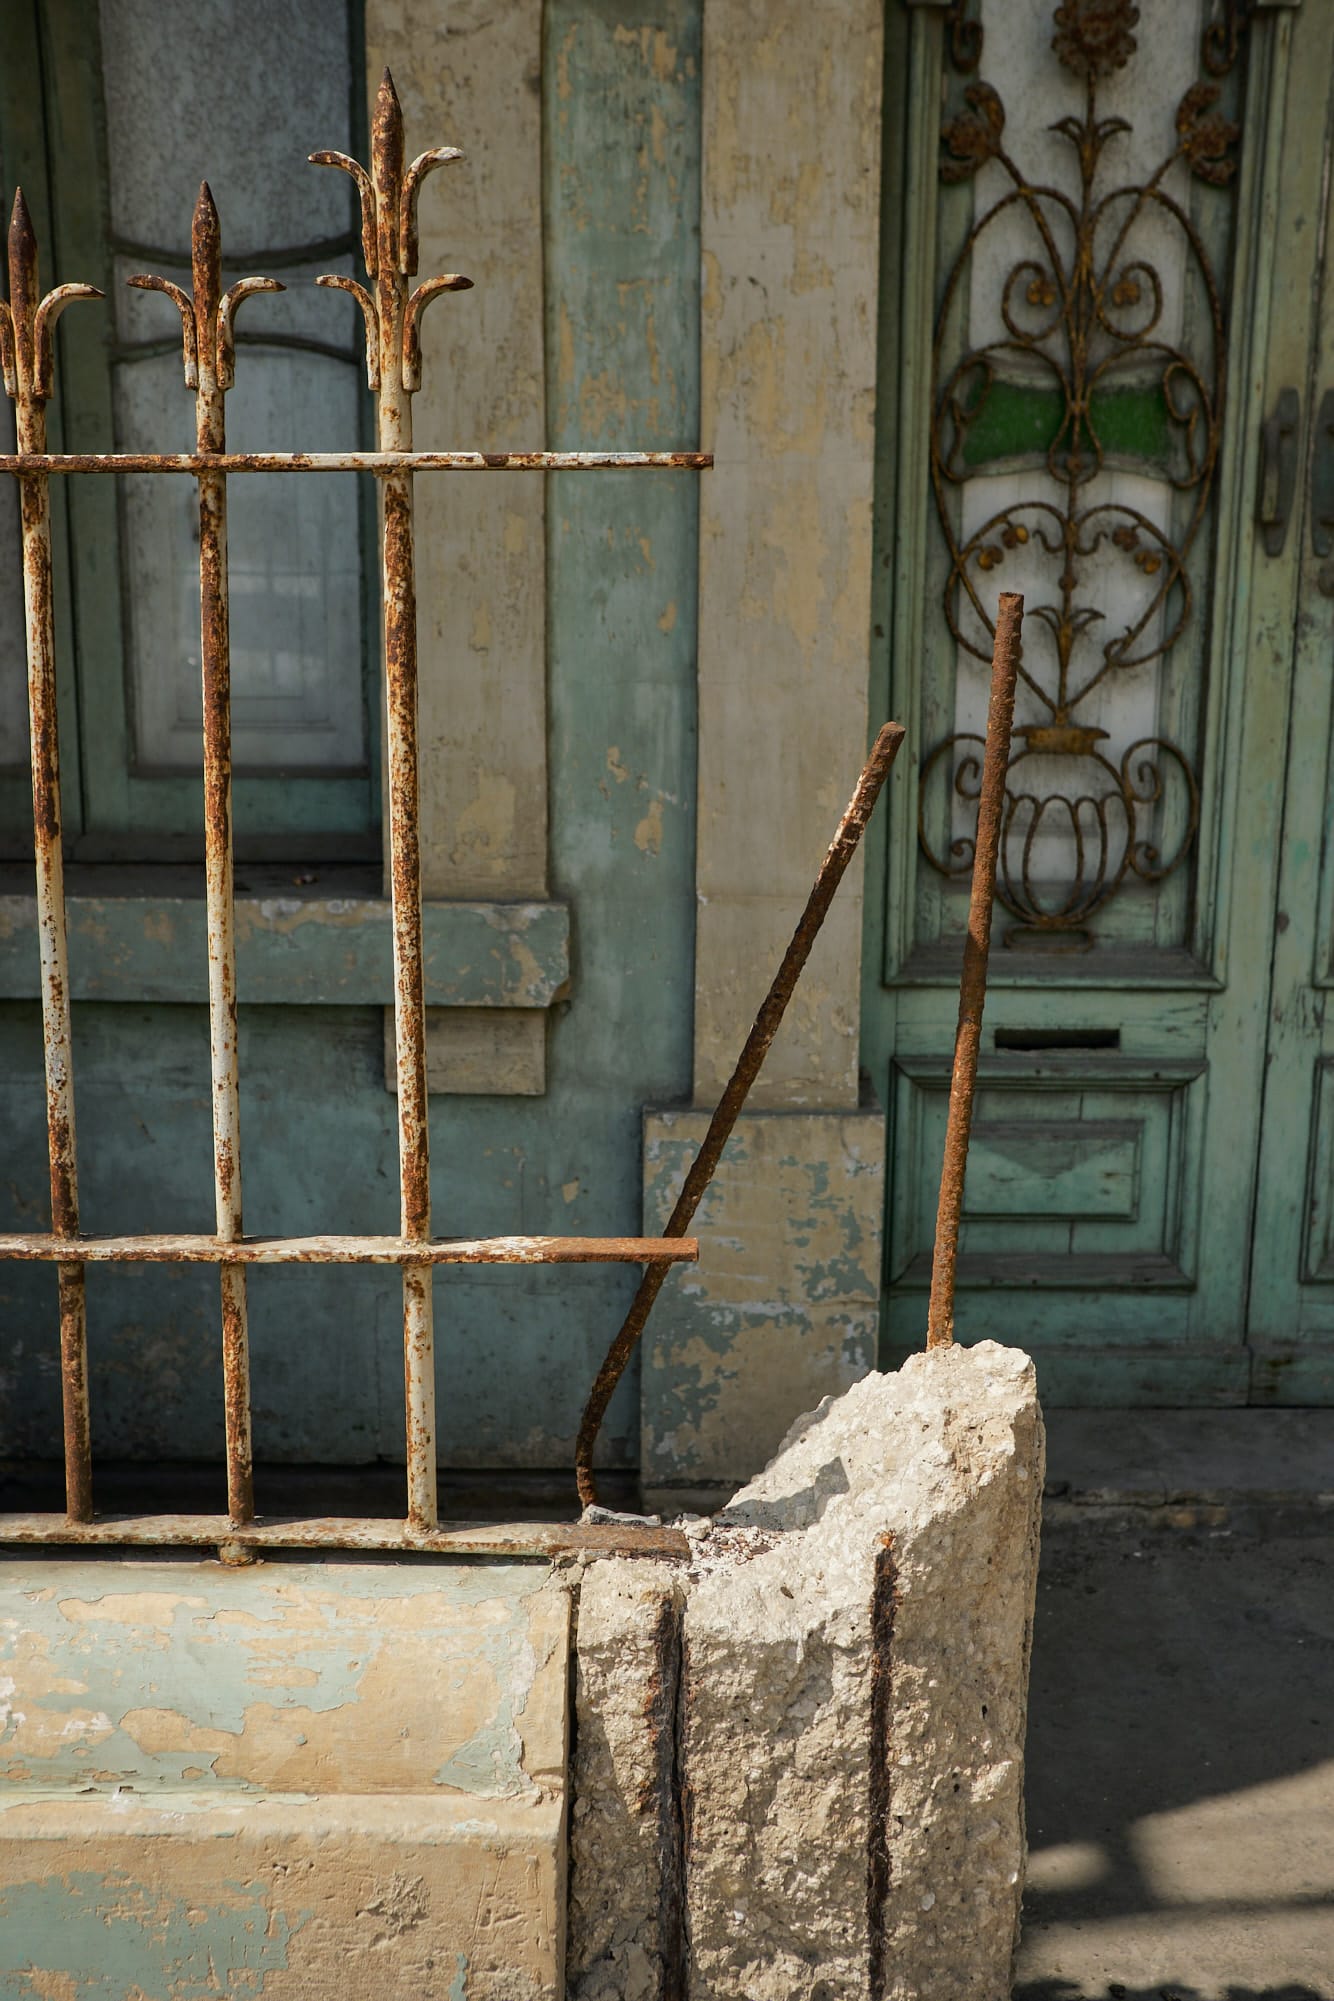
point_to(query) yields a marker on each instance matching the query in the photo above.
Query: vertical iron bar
(973, 982)
(35, 509)
(216, 673)
(400, 668)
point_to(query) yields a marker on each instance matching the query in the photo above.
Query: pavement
(1181, 1717)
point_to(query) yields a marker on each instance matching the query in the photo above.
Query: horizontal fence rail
(374, 462)
(391, 312)
(202, 1250)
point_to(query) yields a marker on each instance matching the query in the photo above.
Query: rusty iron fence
(391, 309)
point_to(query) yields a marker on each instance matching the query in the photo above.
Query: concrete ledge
(391, 1896)
(339, 1779)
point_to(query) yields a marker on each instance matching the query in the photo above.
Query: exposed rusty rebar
(207, 335)
(26, 324)
(755, 1049)
(1005, 658)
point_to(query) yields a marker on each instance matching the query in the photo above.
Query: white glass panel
(237, 93)
(13, 668)
(1093, 552)
(295, 565)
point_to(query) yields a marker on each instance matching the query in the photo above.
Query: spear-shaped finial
(27, 320)
(388, 196)
(208, 345)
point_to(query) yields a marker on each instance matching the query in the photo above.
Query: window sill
(325, 942)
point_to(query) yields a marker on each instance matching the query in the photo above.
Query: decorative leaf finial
(392, 318)
(208, 344)
(27, 319)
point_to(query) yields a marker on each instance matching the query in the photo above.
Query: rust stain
(383, 462)
(26, 323)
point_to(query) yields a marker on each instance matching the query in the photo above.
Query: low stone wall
(796, 1769)
(798, 1761)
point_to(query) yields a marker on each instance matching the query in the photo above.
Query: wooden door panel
(1292, 1281)
(1086, 242)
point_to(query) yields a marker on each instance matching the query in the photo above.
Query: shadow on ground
(1181, 1768)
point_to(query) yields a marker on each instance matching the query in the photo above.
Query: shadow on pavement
(1181, 1768)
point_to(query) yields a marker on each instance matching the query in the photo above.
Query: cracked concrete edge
(625, 1936)
(837, 1809)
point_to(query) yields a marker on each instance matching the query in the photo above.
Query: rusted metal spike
(1005, 658)
(206, 265)
(756, 1048)
(23, 287)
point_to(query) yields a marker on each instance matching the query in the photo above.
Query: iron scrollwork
(1082, 316)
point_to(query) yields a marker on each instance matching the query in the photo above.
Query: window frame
(53, 133)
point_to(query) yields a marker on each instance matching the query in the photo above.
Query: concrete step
(291, 1779)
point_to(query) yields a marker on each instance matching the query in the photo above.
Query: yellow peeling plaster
(469, 76)
(790, 244)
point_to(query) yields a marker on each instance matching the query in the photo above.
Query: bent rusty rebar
(1005, 658)
(756, 1048)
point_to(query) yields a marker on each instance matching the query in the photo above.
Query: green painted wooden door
(1292, 1281)
(1106, 275)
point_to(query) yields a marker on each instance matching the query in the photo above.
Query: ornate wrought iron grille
(1083, 321)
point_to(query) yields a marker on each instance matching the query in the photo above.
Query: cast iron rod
(28, 363)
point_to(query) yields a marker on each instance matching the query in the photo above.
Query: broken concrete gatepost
(798, 1769)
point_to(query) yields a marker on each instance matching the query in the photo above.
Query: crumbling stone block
(846, 1780)
(626, 1919)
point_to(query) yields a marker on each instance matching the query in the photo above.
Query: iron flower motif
(1093, 37)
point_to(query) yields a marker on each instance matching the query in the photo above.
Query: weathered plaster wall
(470, 75)
(782, 1308)
(610, 310)
(294, 1779)
(790, 242)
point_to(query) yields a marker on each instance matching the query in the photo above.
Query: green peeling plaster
(516, 1348)
(103, 1937)
(236, 1646)
(297, 950)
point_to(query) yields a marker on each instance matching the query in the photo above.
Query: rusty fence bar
(1005, 658)
(391, 313)
(26, 325)
(376, 462)
(207, 320)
